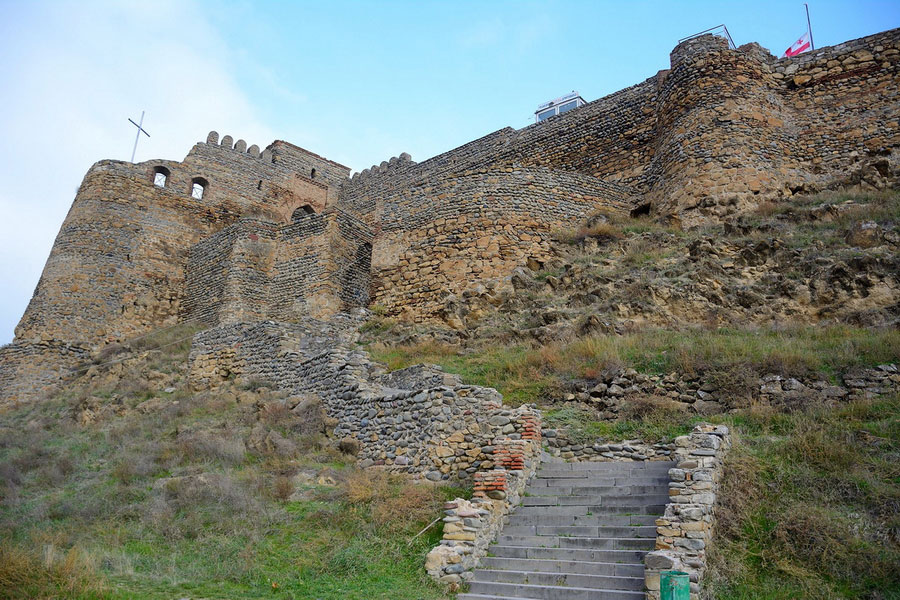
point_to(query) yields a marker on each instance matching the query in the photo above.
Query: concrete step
(594, 499)
(658, 465)
(596, 520)
(597, 481)
(600, 490)
(581, 533)
(577, 554)
(638, 531)
(568, 511)
(543, 592)
(597, 582)
(597, 543)
(546, 473)
(563, 566)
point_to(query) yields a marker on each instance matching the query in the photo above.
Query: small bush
(71, 574)
(377, 325)
(395, 503)
(364, 485)
(137, 466)
(283, 488)
(226, 446)
(253, 384)
(349, 446)
(410, 504)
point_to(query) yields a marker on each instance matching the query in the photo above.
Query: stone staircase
(581, 533)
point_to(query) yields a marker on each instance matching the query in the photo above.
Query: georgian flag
(801, 45)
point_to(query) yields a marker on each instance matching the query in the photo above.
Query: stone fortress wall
(418, 420)
(284, 234)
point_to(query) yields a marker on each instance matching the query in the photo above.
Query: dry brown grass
(410, 504)
(54, 575)
(651, 408)
(766, 209)
(283, 487)
(603, 232)
(363, 486)
(225, 446)
(395, 502)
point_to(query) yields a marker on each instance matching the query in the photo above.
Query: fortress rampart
(285, 234)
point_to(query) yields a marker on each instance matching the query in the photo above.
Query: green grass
(653, 426)
(527, 374)
(810, 505)
(508, 369)
(80, 516)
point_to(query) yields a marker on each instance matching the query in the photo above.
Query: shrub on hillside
(54, 574)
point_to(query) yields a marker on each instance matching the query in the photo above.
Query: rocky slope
(827, 258)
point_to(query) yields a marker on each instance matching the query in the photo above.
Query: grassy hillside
(132, 485)
(811, 505)
(152, 494)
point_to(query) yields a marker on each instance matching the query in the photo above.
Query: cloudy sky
(357, 82)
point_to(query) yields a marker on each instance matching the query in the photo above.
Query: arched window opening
(301, 212)
(312, 174)
(160, 176)
(198, 187)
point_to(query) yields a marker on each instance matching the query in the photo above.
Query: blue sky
(357, 82)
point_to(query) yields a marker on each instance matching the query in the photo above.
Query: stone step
(597, 582)
(576, 554)
(543, 592)
(657, 465)
(595, 500)
(595, 490)
(568, 511)
(581, 533)
(545, 473)
(596, 543)
(563, 566)
(597, 481)
(598, 469)
(637, 531)
(618, 520)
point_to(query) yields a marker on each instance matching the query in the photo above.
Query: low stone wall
(471, 525)
(685, 531)
(420, 421)
(704, 397)
(33, 370)
(558, 444)
(443, 433)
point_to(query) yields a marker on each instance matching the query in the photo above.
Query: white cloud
(71, 76)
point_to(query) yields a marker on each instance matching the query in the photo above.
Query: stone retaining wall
(471, 525)
(697, 394)
(431, 426)
(685, 531)
(437, 240)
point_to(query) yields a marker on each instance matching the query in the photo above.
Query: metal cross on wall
(140, 130)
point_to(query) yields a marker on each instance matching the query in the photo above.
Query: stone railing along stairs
(581, 533)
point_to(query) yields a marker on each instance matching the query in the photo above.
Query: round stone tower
(724, 132)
